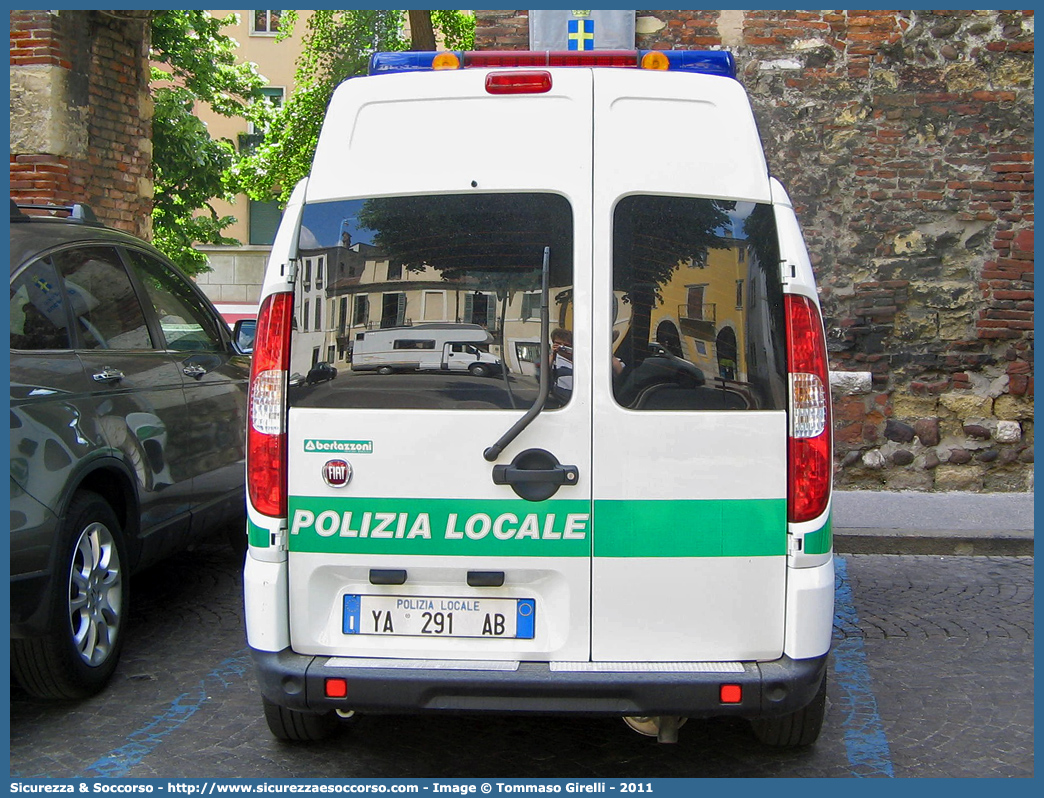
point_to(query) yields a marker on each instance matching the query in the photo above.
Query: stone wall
(81, 113)
(905, 139)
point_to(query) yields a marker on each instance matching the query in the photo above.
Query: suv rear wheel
(78, 656)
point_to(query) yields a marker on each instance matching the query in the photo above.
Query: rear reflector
(810, 463)
(518, 82)
(730, 693)
(336, 688)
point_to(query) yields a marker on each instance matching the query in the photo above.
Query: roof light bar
(706, 62)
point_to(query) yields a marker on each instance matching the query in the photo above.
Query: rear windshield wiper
(493, 452)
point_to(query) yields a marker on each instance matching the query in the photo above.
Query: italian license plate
(439, 616)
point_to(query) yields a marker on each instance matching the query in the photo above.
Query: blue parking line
(865, 741)
(141, 742)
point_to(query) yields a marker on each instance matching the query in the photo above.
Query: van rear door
(689, 396)
(401, 543)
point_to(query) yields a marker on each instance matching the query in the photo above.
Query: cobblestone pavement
(932, 675)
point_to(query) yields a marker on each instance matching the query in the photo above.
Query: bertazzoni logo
(338, 447)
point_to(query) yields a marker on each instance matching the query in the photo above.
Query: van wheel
(385, 370)
(797, 729)
(478, 370)
(298, 727)
(77, 657)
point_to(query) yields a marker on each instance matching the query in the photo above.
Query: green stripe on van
(822, 540)
(691, 528)
(258, 536)
(557, 528)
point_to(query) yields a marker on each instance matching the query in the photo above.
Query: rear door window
(407, 276)
(103, 300)
(698, 305)
(38, 313)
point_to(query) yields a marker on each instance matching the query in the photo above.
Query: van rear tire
(385, 370)
(797, 729)
(298, 727)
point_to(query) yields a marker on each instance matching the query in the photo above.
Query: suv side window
(187, 324)
(104, 304)
(38, 315)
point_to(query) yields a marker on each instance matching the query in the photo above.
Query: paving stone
(947, 644)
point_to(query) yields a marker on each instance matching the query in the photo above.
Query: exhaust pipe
(663, 727)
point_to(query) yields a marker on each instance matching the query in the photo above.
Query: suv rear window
(427, 301)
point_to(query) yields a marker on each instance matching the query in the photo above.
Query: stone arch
(669, 338)
(727, 353)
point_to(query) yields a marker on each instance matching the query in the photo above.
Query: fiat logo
(337, 473)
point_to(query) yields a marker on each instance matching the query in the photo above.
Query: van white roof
(662, 132)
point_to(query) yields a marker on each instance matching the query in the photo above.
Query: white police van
(654, 543)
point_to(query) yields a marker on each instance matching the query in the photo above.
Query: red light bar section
(538, 58)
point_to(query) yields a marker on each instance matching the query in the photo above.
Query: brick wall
(81, 113)
(905, 139)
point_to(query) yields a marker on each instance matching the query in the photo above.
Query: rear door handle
(535, 475)
(559, 475)
(108, 374)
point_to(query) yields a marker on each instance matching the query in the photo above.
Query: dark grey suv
(128, 408)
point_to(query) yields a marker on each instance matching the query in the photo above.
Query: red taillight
(810, 466)
(266, 426)
(518, 82)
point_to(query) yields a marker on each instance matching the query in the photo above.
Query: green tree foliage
(197, 64)
(337, 45)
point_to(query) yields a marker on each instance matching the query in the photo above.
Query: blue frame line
(140, 743)
(865, 741)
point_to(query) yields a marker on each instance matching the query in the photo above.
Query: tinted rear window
(698, 305)
(429, 301)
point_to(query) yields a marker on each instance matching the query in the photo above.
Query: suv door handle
(108, 374)
(194, 371)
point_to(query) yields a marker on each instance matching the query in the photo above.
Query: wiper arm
(493, 452)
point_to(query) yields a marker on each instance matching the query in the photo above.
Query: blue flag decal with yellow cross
(581, 34)
(559, 29)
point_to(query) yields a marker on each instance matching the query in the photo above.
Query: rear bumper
(298, 682)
